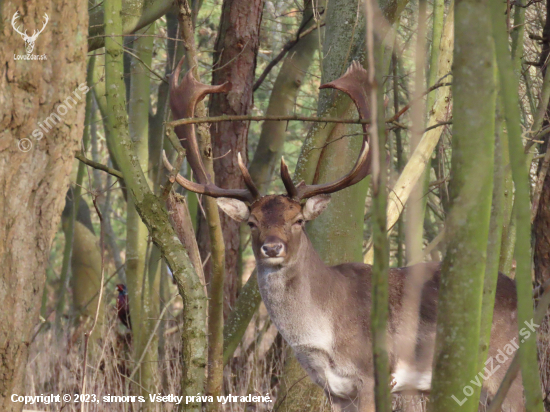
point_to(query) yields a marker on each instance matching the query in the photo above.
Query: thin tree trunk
(234, 61)
(379, 306)
(142, 285)
(493, 250)
(282, 102)
(34, 174)
(509, 217)
(541, 224)
(509, 90)
(216, 259)
(154, 215)
(416, 165)
(467, 225)
(69, 227)
(135, 15)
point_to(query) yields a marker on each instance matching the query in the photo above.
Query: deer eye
(252, 225)
(299, 222)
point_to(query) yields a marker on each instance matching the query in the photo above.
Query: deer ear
(236, 209)
(315, 206)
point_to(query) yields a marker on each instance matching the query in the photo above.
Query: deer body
(324, 312)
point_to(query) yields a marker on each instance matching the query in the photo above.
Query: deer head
(277, 221)
(29, 40)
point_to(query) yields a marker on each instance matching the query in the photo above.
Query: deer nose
(271, 250)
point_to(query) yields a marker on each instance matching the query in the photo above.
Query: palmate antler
(354, 84)
(183, 99)
(189, 92)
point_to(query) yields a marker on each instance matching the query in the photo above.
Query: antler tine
(354, 83)
(183, 99)
(287, 180)
(209, 189)
(247, 178)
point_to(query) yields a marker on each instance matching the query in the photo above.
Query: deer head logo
(29, 40)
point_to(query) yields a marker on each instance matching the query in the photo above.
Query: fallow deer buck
(323, 312)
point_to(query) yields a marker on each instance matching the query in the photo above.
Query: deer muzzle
(273, 247)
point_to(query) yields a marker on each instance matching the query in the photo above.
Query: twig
(102, 36)
(408, 106)
(231, 60)
(433, 126)
(93, 7)
(162, 78)
(247, 118)
(173, 174)
(98, 166)
(289, 45)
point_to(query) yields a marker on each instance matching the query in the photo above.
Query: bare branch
(98, 166)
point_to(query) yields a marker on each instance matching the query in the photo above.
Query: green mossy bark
(142, 281)
(136, 14)
(214, 382)
(467, 226)
(248, 302)
(379, 293)
(522, 209)
(508, 242)
(153, 213)
(493, 252)
(281, 103)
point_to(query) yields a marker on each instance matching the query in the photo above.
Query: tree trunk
(141, 281)
(135, 15)
(541, 225)
(281, 102)
(154, 215)
(212, 225)
(467, 225)
(234, 61)
(34, 182)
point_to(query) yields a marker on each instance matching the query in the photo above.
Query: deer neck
(288, 295)
(306, 267)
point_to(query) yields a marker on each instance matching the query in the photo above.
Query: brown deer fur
(324, 312)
